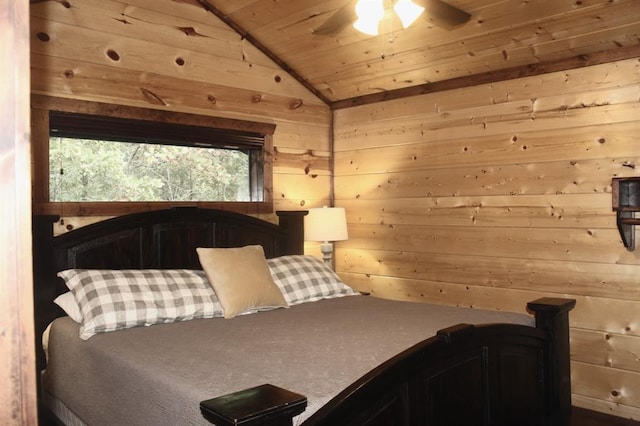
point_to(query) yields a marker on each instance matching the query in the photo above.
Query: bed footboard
(498, 374)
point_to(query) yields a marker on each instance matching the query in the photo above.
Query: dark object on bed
(258, 405)
(493, 374)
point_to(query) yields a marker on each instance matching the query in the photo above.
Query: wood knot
(152, 97)
(212, 99)
(277, 79)
(189, 31)
(113, 55)
(180, 61)
(69, 73)
(296, 104)
(256, 98)
(123, 19)
(43, 37)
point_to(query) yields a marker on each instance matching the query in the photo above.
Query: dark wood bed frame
(500, 374)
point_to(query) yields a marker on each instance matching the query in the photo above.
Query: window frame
(43, 106)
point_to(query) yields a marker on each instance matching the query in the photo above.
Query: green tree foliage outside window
(99, 170)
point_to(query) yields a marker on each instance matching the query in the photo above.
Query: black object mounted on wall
(625, 193)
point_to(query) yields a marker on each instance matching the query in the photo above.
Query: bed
(355, 359)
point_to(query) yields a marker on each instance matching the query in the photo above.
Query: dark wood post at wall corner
(293, 223)
(332, 160)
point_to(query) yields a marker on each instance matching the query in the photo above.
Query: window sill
(121, 208)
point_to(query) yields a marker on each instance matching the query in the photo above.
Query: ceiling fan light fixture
(369, 12)
(366, 26)
(407, 11)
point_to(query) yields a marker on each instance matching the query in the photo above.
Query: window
(100, 164)
(106, 159)
(95, 169)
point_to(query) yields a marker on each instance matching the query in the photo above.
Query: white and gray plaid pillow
(306, 279)
(115, 299)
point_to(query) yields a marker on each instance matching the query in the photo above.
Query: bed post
(552, 316)
(44, 279)
(293, 224)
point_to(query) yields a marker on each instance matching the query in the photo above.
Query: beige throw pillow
(241, 279)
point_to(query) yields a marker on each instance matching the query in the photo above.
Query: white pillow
(68, 304)
(115, 299)
(306, 279)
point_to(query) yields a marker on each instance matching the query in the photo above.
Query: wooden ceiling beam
(529, 70)
(262, 48)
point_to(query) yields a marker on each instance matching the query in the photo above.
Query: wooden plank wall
(487, 196)
(175, 56)
(493, 195)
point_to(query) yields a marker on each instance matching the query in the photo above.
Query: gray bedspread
(158, 375)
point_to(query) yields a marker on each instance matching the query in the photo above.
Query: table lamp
(326, 224)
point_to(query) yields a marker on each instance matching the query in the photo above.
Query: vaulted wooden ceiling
(503, 39)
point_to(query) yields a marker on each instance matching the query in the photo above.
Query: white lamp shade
(326, 224)
(369, 13)
(366, 26)
(407, 11)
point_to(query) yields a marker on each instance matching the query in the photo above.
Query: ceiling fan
(436, 11)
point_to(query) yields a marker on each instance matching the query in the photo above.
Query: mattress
(159, 374)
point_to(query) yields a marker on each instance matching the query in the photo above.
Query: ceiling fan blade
(444, 15)
(341, 19)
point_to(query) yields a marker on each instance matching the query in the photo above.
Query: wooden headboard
(160, 239)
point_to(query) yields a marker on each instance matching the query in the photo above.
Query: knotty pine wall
(488, 196)
(175, 56)
(494, 195)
